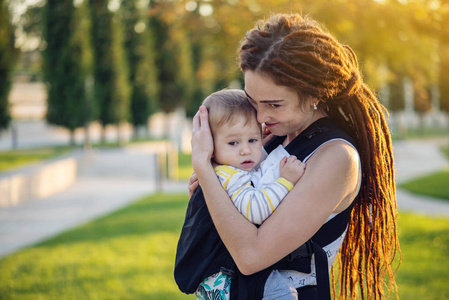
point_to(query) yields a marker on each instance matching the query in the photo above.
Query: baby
(255, 187)
(255, 182)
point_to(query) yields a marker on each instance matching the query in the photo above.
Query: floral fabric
(214, 287)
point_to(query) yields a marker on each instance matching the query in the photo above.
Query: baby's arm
(292, 169)
(258, 204)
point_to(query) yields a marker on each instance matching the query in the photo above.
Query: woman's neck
(291, 136)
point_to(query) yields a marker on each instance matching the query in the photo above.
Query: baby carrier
(201, 253)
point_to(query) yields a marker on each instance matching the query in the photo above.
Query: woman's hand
(202, 142)
(193, 184)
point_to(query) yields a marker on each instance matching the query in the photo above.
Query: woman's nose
(262, 117)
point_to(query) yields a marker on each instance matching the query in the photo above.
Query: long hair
(297, 52)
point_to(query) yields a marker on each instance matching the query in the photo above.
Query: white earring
(314, 106)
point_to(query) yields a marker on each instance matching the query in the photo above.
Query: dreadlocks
(296, 52)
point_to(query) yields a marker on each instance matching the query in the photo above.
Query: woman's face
(278, 106)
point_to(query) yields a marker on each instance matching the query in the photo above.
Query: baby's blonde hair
(226, 105)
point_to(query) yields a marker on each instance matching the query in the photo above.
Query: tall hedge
(64, 73)
(140, 52)
(173, 57)
(7, 59)
(110, 69)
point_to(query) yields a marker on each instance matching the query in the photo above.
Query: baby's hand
(292, 168)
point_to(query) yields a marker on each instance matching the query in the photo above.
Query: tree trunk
(119, 136)
(136, 132)
(421, 123)
(72, 138)
(87, 143)
(103, 134)
(15, 136)
(147, 131)
(166, 129)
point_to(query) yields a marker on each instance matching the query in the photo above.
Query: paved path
(107, 180)
(112, 179)
(414, 158)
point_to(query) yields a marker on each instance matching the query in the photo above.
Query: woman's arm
(256, 204)
(329, 185)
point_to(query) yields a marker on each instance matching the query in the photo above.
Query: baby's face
(238, 145)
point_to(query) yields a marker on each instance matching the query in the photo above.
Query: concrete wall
(166, 157)
(37, 182)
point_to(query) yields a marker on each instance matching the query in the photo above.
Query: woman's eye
(274, 106)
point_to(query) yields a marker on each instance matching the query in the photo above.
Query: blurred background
(83, 71)
(96, 100)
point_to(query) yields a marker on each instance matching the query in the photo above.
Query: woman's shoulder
(337, 165)
(337, 150)
(340, 145)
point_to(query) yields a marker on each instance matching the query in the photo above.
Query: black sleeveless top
(201, 253)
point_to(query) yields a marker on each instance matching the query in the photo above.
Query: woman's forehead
(261, 88)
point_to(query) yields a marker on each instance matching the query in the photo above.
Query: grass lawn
(434, 185)
(130, 255)
(126, 255)
(424, 272)
(418, 133)
(21, 157)
(185, 168)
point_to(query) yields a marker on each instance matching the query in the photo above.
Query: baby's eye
(253, 140)
(232, 143)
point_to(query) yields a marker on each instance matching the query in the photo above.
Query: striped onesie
(256, 194)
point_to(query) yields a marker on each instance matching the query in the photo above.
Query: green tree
(68, 104)
(441, 18)
(223, 25)
(111, 85)
(169, 92)
(7, 59)
(173, 58)
(198, 95)
(139, 46)
(83, 25)
(443, 83)
(198, 49)
(29, 27)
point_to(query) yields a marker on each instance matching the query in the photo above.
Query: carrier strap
(305, 143)
(326, 235)
(322, 273)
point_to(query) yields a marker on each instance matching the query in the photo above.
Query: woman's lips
(270, 125)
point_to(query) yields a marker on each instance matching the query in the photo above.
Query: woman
(296, 76)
